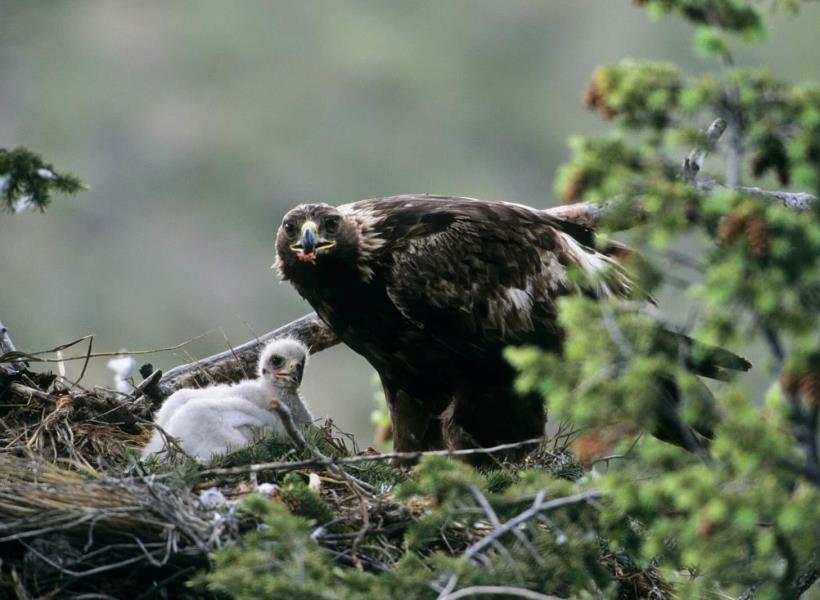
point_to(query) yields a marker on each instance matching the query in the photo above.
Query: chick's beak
(292, 371)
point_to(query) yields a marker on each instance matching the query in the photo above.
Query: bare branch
(538, 507)
(30, 392)
(793, 200)
(496, 523)
(496, 590)
(324, 461)
(356, 485)
(231, 364)
(281, 409)
(6, 345)
(693, 163)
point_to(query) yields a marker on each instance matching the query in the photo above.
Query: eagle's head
(312, 233)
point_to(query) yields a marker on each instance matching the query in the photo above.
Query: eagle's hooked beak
(292, 372)
(310, 242)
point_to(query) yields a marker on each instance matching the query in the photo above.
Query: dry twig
(325, 461)
(496, 590)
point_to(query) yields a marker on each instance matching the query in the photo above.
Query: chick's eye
(277, 361)
(290, 229)
(331, 225)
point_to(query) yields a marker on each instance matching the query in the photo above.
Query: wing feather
(466, 269)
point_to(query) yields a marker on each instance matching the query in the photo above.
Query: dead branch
(325, 461)
(6, 345)
(492, 539)
(497, 590)
(284, 414)
(793, 200)
(232, 364)
(693, 163)
(538, 507)
(356, 485)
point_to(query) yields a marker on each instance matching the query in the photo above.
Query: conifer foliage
(27, 181)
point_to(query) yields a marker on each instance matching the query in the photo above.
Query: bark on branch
(238, 362)
(6, 345)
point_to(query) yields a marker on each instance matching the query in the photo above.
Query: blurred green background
(197, 124)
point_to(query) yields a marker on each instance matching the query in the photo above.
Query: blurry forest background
(199, 124)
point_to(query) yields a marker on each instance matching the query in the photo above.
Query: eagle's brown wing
(482, 274)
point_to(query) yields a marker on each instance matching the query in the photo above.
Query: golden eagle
(431, 289)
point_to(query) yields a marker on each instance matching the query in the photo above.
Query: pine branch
(27, 181)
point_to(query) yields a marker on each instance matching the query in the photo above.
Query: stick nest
(80, 515)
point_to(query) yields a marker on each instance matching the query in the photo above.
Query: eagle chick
(215, 419)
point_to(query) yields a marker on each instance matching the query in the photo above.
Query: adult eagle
(431, 289)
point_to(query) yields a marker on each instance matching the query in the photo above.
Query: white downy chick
(222, 417)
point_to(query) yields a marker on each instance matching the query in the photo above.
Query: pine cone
(591, 96)
(790, 382)
(757, 236)
(730, 227)
(575, 188)
(759, 164)
(706, 528)
(772, 155)
(594, 98)
(810, 387)
(783, 173)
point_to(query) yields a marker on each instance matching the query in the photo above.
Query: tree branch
(793, 200)
(6, 345)
(231, 365)
(352, 460)
(356, 485)
(693, 164)
(497, 590)
(538, 507)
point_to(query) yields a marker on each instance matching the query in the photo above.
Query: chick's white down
(225, 417)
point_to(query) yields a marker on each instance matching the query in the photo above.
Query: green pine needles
(27, 181)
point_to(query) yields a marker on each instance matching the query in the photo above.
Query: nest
(81, 516)
(64, 531)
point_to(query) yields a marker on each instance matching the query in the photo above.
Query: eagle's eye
(277, 361)
(290, 229)
(331, 224)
